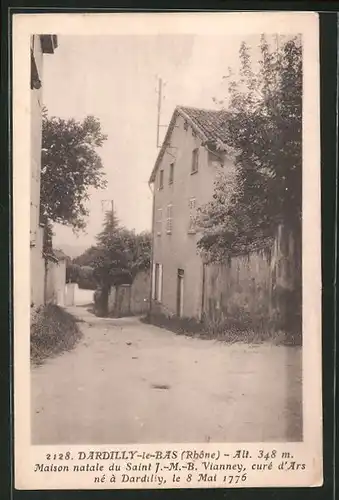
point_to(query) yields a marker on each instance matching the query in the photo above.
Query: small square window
(171, 174)
(195, 161)
(161, 179)
(192, 203)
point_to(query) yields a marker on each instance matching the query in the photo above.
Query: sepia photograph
(167, 219)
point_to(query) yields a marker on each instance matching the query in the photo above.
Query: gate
(122, 303)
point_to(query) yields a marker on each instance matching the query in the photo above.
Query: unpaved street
(128, 382)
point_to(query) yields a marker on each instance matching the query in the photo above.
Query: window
(169, 219)
(161, 179)
(192, 203)
(171, 174)
(185, 125)
(195, 161)
(192, 215)
(159, 221)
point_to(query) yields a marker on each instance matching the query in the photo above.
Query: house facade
(40, 45)
(183, 180)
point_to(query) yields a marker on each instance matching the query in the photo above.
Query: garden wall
(261, 289)
(127, 300)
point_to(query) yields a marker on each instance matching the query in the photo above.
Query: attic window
(185, 125)
(161, 179)
(194, 133)
(195, 161)
(171, 174)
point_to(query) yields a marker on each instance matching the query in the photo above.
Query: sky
(115, 79)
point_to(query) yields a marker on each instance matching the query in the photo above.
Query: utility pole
(159, 109)
(111, 203)
(161, 84)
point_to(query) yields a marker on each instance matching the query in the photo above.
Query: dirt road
(128, 382)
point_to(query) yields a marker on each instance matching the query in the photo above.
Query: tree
(264, 129)
(86, 278)
(117, 258)
(70, 166)
(72, 272)
(121, 253)
(87, 258)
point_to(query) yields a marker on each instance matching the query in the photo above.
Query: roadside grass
(53, 331)
(231, 331)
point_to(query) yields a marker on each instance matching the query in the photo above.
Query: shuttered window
(159, 222)
(169, 219)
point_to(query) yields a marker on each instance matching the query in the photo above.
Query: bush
(176, 324)
(53, 331)
(230, 330)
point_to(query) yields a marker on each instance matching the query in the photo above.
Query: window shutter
(160, 283)
(159, 222)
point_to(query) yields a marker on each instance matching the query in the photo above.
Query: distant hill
(72, 251)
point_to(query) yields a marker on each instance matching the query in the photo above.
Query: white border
(153, 23)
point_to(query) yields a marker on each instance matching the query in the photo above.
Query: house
(40, 45)
(183, 179)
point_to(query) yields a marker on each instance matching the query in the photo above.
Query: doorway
(180, 292)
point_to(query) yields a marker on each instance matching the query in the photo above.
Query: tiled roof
(208, 124)
(211, 122)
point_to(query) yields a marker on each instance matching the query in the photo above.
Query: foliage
(72, 272)
(87, 258)
(86, 278)
(118, 256)
(229, 330)
(70, 166)
(121, 253)
(82, 275)
(264, 130)
(47, 237)
(53, 331)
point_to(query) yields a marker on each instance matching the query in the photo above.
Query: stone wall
(261, 289)
(140, 293)
(130, 300)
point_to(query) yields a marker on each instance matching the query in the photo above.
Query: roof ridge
(179, 106)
